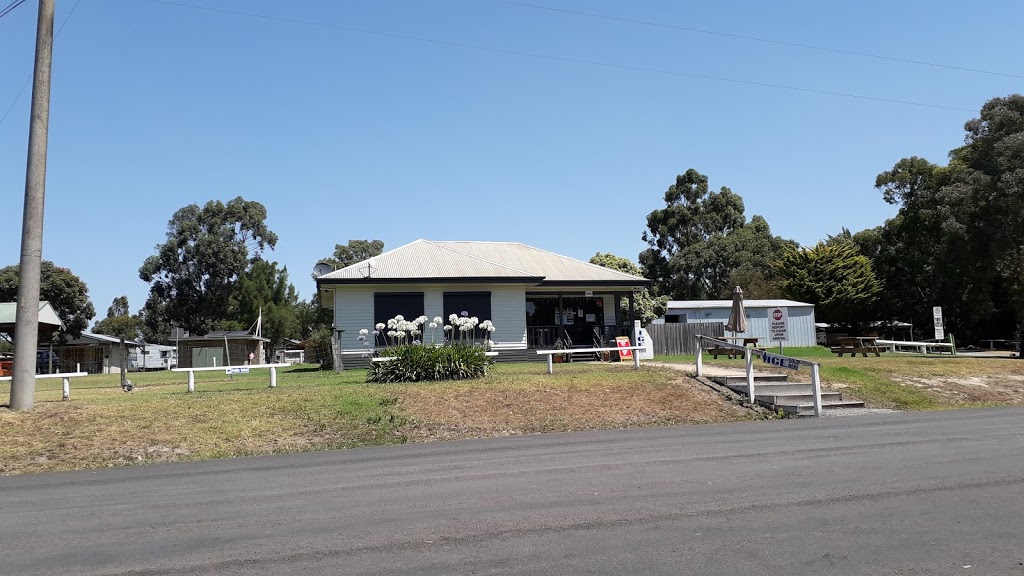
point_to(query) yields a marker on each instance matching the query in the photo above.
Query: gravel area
(856, 411)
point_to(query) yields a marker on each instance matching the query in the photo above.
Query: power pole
(26, 323)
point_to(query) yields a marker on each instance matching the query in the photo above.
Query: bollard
(191, 381)
(749, 357)
(273, 377)
(816, 384)
(67, 388)
(700, 357)
(551, 364)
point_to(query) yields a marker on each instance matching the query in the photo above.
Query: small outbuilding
(221, 348)
(48, 320)
(94, 353)
(801, 325)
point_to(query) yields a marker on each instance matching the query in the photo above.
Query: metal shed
(801, 317)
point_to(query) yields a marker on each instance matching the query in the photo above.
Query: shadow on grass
(307, 370)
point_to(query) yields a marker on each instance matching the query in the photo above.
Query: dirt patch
(1003, 389)
(473, 411)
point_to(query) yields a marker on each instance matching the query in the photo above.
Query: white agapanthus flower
(447, 327)
(364, 332)
(432, 325)
(452, 318)
(437, 320)
(380, 326)
(399, 318)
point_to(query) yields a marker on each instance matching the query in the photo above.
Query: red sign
(623, 342)
(777, 314)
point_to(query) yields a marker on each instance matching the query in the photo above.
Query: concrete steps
(777, 393)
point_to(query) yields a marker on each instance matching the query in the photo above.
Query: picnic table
(854, 345)
(732, 352)
(1015, 344)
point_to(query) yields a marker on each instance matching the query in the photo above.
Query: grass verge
(905, 381)
(311, 410)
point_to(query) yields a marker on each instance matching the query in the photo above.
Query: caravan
(152, 357)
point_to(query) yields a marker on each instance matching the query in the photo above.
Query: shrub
(418, 363)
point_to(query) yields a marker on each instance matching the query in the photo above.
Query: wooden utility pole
(26, 323)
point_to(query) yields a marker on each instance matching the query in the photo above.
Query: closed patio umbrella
(737, 315)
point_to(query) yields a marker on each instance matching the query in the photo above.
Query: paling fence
(672, 339)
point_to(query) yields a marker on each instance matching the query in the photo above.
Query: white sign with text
(778, 324)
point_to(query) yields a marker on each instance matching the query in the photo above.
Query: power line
(10, 7)
(29, 79)
(565, 59)
(765, 40)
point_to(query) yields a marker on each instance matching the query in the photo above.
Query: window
(387, 305)
(473, 303)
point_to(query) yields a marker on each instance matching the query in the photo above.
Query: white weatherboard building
(532, 296)
(801, 317)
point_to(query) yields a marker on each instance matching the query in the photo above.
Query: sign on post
(778, 324)
(940, 330)
(236, 370)
(781, 361)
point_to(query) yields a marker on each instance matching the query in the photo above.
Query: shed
(93, 353)
(48, 320)
(801, 317)
(220, 348)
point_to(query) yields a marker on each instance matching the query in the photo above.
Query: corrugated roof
(8, 311)
(88, 338)
(441, 260)
(704, 304)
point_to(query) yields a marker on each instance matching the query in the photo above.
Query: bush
(419, 363)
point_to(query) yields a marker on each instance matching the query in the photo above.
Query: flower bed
(460, 356)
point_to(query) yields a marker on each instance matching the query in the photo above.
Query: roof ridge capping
(581, 261)
(386, 252)
(437, 244)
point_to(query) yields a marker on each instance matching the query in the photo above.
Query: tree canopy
(194, 273)
(700, 239)
(120, 322)
(354, 251)
(835, 278)
(264, 289)
(958, 238)
(66, 293)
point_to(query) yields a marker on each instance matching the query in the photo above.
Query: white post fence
(748, 356)
(65, 380)
(231, 370)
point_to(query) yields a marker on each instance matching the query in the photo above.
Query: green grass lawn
(313, 410)
(902, 380)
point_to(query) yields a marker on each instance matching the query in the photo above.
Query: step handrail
(748, 356)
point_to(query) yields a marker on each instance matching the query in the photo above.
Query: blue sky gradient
(478, 119)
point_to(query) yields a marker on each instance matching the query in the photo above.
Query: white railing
(921, 346)
(773, 359)
(551, 353)
(66, 377)
(231, 370)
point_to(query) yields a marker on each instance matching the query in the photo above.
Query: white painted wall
(353, 310)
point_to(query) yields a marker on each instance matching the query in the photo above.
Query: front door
(580, 314)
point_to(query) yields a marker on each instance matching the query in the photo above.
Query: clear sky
(479, 119)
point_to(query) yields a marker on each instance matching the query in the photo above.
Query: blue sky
(478, 119)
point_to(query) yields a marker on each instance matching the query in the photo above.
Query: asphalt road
(923, 493)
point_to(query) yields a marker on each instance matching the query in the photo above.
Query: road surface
(909, 494)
